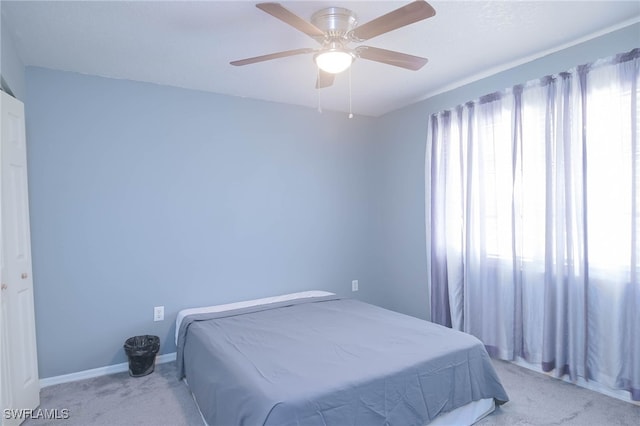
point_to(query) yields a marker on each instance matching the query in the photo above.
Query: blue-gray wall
(399, 155)
(143, 195)
(11, 66)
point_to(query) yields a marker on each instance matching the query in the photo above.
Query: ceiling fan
(336, 27)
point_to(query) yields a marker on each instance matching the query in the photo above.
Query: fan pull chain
(318, 89)
(350, 108)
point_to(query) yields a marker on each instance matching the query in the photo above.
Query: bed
(314, 358)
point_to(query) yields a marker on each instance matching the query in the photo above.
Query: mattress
(325, 360)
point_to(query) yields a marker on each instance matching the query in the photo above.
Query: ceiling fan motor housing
(336, 22)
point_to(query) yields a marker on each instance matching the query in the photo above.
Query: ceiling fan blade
(325, 79)
(271, 56)
(391, 57)
(288, 17)
(412, 12)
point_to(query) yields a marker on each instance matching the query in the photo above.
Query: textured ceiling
(190, 43)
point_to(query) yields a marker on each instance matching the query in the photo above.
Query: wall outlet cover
(158, 313)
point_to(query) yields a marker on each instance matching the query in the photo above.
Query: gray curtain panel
(532, 211)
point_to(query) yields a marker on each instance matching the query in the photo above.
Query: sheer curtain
(532, 212)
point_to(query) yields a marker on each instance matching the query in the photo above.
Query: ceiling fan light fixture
(334, 61)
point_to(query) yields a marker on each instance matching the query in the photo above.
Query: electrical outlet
(354, 285)
(158, 313)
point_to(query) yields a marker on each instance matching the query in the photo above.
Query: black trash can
(142, 351)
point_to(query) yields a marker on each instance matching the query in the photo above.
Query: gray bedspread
(329, 361)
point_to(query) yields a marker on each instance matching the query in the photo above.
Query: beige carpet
(159, 399)
(537, 399)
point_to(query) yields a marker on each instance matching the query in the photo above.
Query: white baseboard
(101, 371)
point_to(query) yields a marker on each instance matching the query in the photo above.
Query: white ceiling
(189, 44)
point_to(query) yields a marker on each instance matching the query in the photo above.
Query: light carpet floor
(160, 399)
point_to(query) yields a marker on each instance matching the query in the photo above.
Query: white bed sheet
(246, 303)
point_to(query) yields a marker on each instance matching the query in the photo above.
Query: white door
(4, 385)
(21, 388)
